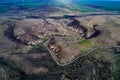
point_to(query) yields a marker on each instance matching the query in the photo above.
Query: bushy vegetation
(95, 66)
(2, 74)
(38, 48)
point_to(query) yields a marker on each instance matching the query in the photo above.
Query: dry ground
(108, 34)
(26, 62)
(68, 50)
(108, 27)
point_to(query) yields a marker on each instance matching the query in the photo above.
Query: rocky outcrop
(85, 32)
(118, 43)
(55, 48)
(91, 32)
(33, 31)
(27, 36)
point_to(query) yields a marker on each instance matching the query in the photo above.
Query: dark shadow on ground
(97, 33)
(9, 33)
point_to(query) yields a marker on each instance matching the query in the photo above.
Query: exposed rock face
(82, 30)
(118, 43)
(26, 36)
(63, 49)
(33, 31)
(91, 31)
(55, 48)
(86, 32)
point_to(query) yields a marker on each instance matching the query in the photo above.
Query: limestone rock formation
(91, 32)
(86, 32)
(118, 43)
(55, 48)
(27, 36)
(33, 31)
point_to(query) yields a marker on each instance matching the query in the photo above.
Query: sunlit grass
(82, 8)
(4, 8)
(85, 45)
(30, 5)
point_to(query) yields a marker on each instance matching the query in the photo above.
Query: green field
(103, 5)
(30, 5)
(85, 45)
(77, 7)
(73, 8)
(4, 8)
(82, 8)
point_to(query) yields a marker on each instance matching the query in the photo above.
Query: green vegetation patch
(85, 45)
(82, 8)
(116, 67)
(95, 66)
(30, 5)
(77, 7)
(38, 48)
(4, 8)
(83, 42)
